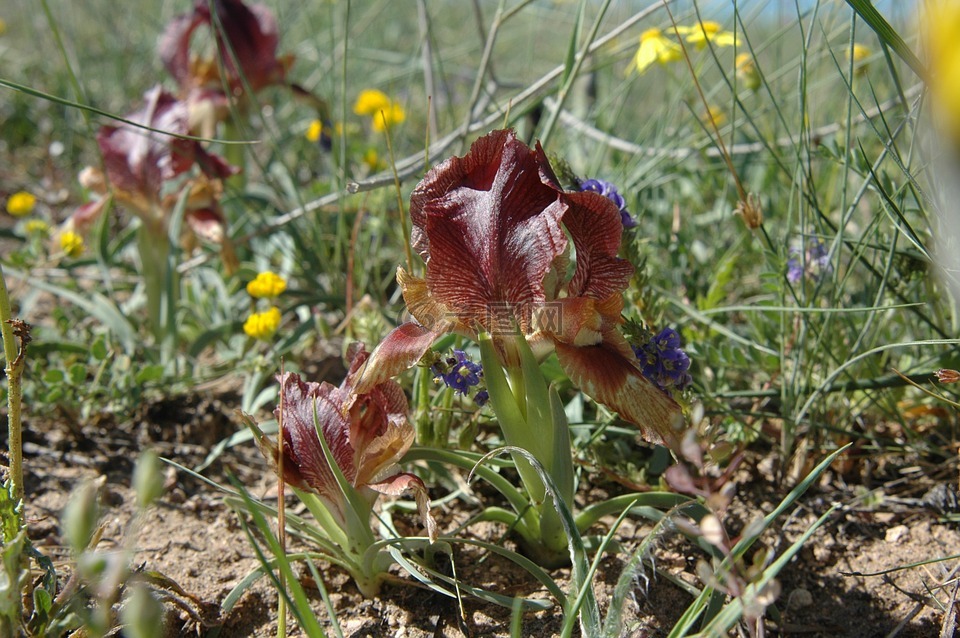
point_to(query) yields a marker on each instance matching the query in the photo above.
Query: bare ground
(193, 539)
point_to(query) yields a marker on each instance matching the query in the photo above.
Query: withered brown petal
(405, 483)
(399, 350)
(607, 372)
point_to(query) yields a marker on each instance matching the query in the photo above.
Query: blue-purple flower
(814, 264)
(481, 398)
(663, 361)
(609, 191)
(459, 372)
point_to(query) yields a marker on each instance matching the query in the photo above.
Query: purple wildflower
(459, 372)
(815, 263)
(609, 191)
(663, 361)
(481, 398)
(794, 269)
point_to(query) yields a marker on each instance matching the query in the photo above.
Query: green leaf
(869, 14)
(9, 514)
(77, 373)
(12, 576)
(99, 349)
(297, 601)
(95, 304)
(54, 375)
(42, 601)
(150, 373)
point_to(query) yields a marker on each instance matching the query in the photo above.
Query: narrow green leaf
(887, 34)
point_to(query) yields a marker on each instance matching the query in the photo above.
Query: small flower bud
(147, 479)
(751, 212)
(82, 514)
(946, 375)
(142, 615)
(747, 71)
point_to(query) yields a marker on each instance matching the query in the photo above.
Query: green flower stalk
(532, 418)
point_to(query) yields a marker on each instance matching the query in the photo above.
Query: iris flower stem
(529, 420)
(154, 252)
(517, 384)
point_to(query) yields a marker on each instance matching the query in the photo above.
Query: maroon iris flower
(367, 435)
(139, 165)
(494, 228)
(246, 40)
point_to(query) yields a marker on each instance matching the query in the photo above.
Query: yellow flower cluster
(71, 243)
(655, 46)
(939, 34)
(21, 203)
(36, 227)
(747, 71)
(383, 111)
(262, 325)
(266, 284)
(314, 131)
(700, 34)
(860, 55)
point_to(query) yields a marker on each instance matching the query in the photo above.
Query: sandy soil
(195, 540)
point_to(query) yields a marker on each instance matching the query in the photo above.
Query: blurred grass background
(834, 154)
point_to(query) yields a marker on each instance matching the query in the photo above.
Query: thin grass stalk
(281, 519)
(14, 371)
(341, 172)
(576, 61)
(402, 211)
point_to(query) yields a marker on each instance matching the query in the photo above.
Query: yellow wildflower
(371, 159)
(71, 243)
(266, 284)
(655, 47)
(314, 131)
(860, 56)
(392, 114)
(708, 31)
(37, 227)
(714, 117)
(21, 203)
(371, 102)
(379, 107)
(3, 26)
(262, 325)
(941, 25)
(747, 71)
